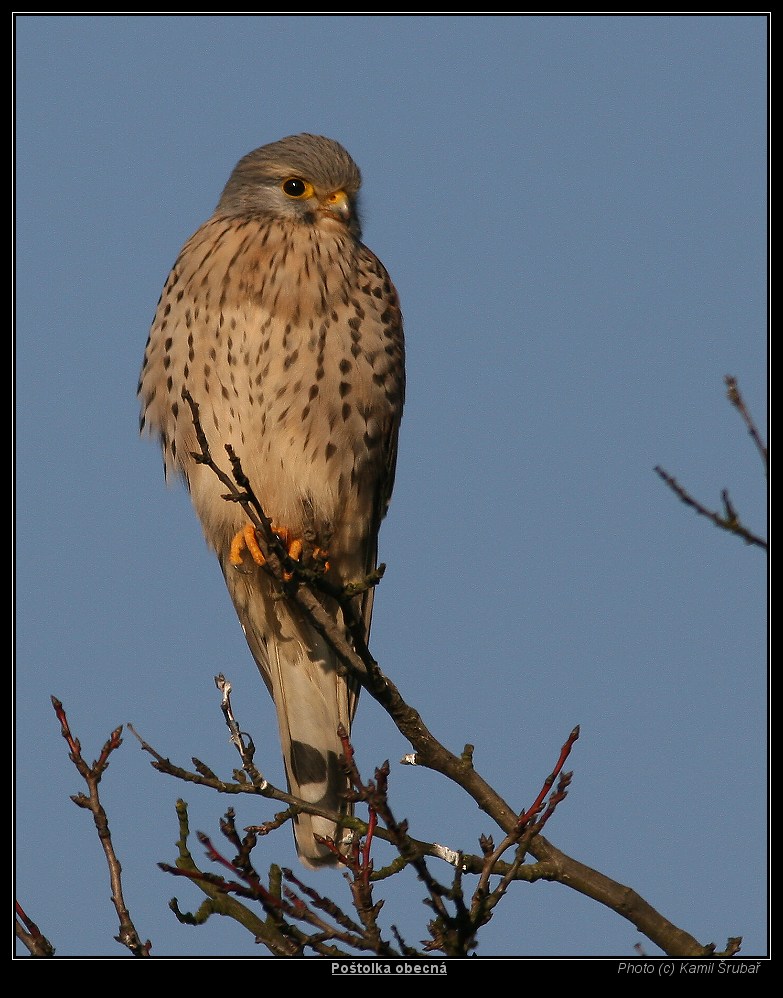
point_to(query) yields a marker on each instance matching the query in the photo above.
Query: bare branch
(220, 902)
(28, 933)
(734, 396)
(728, 521)
(356, 658)
(128, 935)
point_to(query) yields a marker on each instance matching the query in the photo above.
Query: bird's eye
(297, 188)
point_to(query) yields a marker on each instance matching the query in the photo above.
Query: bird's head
(304, 178)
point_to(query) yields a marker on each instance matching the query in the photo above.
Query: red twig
(538, 803)
(361, 857)
(224, 886)
(32, 937)
(254, 884)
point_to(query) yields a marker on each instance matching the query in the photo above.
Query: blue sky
(574, 211)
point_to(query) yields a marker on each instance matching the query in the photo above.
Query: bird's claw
(247, 540)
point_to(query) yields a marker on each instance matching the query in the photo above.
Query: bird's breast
(289, 340)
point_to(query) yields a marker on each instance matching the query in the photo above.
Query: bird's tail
(312, 700)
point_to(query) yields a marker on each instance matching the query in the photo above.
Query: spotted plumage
(286, 330)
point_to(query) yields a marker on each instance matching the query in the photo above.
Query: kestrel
(286, 331)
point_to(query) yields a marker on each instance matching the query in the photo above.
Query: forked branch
(356, 658)
(729, 519)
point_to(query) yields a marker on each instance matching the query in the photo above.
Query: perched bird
(286, 331)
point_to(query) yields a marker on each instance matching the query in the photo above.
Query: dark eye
(297, 188)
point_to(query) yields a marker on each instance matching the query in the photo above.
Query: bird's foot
(247, 540)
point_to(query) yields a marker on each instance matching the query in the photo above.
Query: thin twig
(565, 751)
(28, 933)
(246, 749)
(270, 932)
(727, 522)
(730, 520)
(734, 396)
(527, 828)
(128, 936)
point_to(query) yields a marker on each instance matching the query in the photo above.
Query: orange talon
(237, 547)
(294, 549)
(246, 540)
(251, 542)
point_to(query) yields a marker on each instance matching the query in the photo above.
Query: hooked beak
(338, 204)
